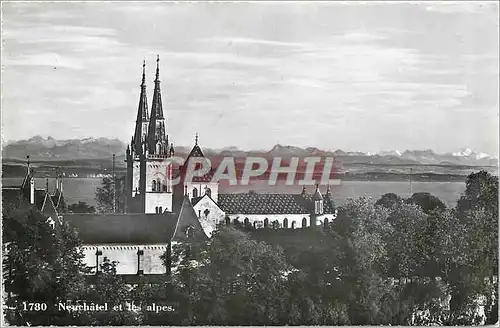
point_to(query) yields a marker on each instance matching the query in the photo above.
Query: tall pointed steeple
(141, 124)
(156, 131)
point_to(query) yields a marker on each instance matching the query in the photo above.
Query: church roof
(135, 228)
(111, 228)
(253, 203)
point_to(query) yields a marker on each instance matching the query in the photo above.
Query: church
(159, 214)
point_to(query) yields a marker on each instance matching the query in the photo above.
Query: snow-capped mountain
(87, 148)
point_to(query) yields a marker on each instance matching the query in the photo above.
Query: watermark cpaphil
(306, 171)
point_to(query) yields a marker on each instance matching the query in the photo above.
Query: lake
(83, 189)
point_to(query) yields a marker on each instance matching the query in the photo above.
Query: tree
(81, 207)
(362, 227)
(41, 265)
(427, 202)
(109, 288)
(110, 191)
(388, 200)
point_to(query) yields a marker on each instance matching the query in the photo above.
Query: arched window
(228, 220)
(161, 210)
(304, 222)
(195, 192)
(247, 222)
(208, 192)
(325, 223)
(285, 223)
(293, 224)
(154, 185)
(266, 223)
(165, 188)
(156, 209)
(255, 224)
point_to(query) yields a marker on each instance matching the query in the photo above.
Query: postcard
(250, 163)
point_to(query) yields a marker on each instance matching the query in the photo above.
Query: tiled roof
(253, 203)
(124, 228)
(195, 152)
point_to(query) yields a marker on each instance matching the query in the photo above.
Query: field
(83, 189)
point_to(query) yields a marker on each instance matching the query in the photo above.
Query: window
(247, 222)
(254, 224)
(228, 220)
(285, 223)
(266, 223)
(318, 207)
(154, 185)
(190, 232)
(165, 188)
(161, 210)
(140, 264)
(293, 224)
(208, 192)
(156, 209)
(304, 222)
(276, 224)
(195, 192)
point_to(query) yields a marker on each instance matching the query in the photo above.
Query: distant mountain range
(41, 149)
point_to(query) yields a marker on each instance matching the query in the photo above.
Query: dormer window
(51, 222)
(190, 233)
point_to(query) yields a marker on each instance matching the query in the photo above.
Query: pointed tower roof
(328, 192)
(156, 131)
(317, 194)
(157, 108)
(142, 111)
(196, 151)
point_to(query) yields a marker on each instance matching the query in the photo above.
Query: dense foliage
(391, 262)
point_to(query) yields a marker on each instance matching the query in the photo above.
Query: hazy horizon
(7, 142)
(357, 77)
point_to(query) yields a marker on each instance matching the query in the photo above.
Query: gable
(188, 219)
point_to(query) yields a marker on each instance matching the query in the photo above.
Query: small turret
(318, 202)
(328, 192)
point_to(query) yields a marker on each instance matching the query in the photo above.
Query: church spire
(141, 123)
(156, 130)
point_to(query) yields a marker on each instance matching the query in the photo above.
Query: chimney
(32, 191)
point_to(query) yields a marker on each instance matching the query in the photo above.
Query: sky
(351, 76)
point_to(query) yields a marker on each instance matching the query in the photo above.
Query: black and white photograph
(295, 163)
